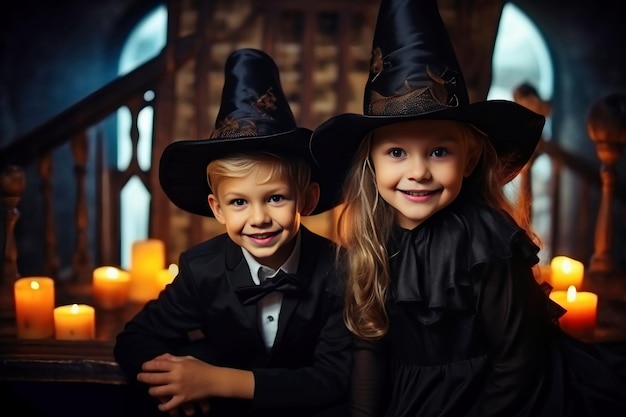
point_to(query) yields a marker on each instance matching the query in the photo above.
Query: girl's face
(261, 216)
(419, 167)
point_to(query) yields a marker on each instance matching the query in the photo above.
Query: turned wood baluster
(12, 186)
(606, 126)
(81, 264)
(51, 260)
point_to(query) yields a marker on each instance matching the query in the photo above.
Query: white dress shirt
(269, 306)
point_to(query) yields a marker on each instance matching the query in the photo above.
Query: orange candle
(580, 318)
(165, 276)
(75, 322)
(566, 272)
(110, 287)
(147, 259)
(34, 306)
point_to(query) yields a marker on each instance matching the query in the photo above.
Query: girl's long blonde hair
(366, 221)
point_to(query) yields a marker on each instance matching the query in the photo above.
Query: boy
(252, 325)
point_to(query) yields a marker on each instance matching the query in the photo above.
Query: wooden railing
(73, 126)
(607, 129)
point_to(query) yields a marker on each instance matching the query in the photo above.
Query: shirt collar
(290, 266)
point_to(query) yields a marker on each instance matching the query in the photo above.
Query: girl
(441, 295)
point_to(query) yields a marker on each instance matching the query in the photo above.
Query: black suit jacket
(307, 370)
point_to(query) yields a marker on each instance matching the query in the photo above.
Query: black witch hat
(415, 75)
(254, 116)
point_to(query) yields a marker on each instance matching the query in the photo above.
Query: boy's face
(260, 215)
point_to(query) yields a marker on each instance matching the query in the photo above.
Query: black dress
(473, 334)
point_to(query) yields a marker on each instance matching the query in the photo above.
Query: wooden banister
(94, 108)
(71, 126)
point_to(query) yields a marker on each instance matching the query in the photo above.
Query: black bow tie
(283, 282)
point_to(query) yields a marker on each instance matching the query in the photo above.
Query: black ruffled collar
(430, 264)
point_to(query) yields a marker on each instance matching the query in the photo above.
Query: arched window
(521, 56)
(145, 42)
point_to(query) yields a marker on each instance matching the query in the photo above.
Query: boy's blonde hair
(294, 168)
(366, 221)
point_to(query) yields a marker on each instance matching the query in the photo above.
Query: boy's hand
(177, 381)
(185, 379)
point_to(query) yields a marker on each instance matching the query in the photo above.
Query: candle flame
(111, 273)
(74, 309)
(567, 266)
(34, 285)
(571, 294)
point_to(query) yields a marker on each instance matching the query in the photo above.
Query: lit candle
(34, 306)
(147, 259)
(165, 276)
(581, 306)
(566, 272)
(110, 287)
(75, 322)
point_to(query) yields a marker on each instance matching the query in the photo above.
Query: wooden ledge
(51, 360)
(58, 360)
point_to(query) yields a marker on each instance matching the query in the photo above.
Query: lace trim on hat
(411, 100)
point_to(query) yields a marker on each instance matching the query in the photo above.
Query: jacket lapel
(238, 274)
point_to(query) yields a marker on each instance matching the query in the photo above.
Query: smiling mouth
(262, 235)
(419, 193)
